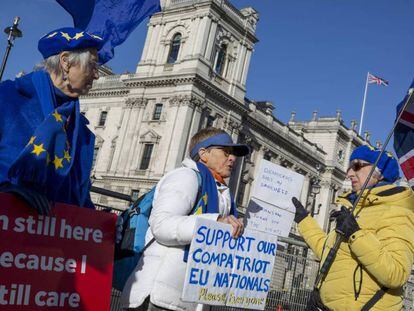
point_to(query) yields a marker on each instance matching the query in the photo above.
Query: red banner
(62, 261)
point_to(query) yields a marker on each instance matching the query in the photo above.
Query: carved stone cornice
(205, 85)
(160, 82)
(232, 125)
(111, 93)
(185, 100)
(135, 102)
(223, 35)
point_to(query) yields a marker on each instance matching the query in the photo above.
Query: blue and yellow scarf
(208, 202)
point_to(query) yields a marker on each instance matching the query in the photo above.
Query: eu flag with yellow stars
(113, 20)
(46, 160)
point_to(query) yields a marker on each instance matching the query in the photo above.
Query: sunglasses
(226, 150)
(356, 166)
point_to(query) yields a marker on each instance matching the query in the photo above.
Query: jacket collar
(381, 194)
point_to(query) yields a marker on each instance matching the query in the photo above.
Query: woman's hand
(301, 213)
(237, 225)
(346, 224)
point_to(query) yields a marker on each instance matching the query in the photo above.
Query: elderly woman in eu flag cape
(46, 149)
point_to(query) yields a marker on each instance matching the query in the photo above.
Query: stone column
(304, 196)
(196, 105)
(256, 158)
(240, 63)
(147, 43)
(246, 67)
(181, 124)
(211, 41)
(201, 33)
(133, 159)
(323, 198)
(126, 132)
(152, 50)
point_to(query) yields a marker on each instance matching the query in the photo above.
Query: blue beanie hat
(68, 39)
(387, 164)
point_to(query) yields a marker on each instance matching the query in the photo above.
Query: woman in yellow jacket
(377, 255)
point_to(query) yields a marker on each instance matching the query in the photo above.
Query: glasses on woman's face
(226, 150)
(356, 166)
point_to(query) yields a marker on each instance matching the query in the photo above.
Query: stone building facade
(192, 74)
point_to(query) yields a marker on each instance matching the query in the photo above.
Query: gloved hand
(301, 212)
(119, 227)
(31, 197)
(346, 224)
(315, 302)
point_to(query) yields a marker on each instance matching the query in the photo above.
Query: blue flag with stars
(113, 20)
(46, 160)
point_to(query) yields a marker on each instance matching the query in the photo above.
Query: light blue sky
(312, 54)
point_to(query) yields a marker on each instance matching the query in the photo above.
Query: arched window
(174, 49)
(220, 59)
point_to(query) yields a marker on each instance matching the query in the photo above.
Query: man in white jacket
(157, 282)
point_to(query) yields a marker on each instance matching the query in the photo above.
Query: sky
(311, 55)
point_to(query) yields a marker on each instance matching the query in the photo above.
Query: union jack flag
(377, 80)
(404, 138)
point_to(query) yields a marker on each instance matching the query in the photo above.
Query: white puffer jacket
(160, 272)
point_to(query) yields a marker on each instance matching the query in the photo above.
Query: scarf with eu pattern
(208, 202)
(208, 198)
(46, 160)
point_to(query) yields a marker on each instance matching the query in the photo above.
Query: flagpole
(363, 105)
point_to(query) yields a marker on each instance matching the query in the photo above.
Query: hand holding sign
(237, 224)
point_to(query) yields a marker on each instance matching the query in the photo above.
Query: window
(220, 59)
(174, 49)
(157, 112)
(340, 156)
(95, 155)
(102, 118)
(146, 156)
(134, 195)
(241, 192)
(210, 121)
(334, 195)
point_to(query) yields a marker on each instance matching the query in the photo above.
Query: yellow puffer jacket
(380, 254)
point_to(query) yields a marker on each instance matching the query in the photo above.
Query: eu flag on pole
(112, 20)
(404, 138)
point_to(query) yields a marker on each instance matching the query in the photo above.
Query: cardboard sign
(277, 185)
(226, 271)
(270, 208)
(62, 261)
(268, 218)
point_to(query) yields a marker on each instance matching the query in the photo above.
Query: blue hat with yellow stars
(387, 164)
(68, 39)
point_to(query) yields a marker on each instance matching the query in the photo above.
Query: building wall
(195, 95)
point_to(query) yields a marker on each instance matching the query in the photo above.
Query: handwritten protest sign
(62, 261)
(262, 216)
(226, 271)
(271, 209)
(277, 185)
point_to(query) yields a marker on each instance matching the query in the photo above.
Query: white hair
(52, 63)
(377, 174)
